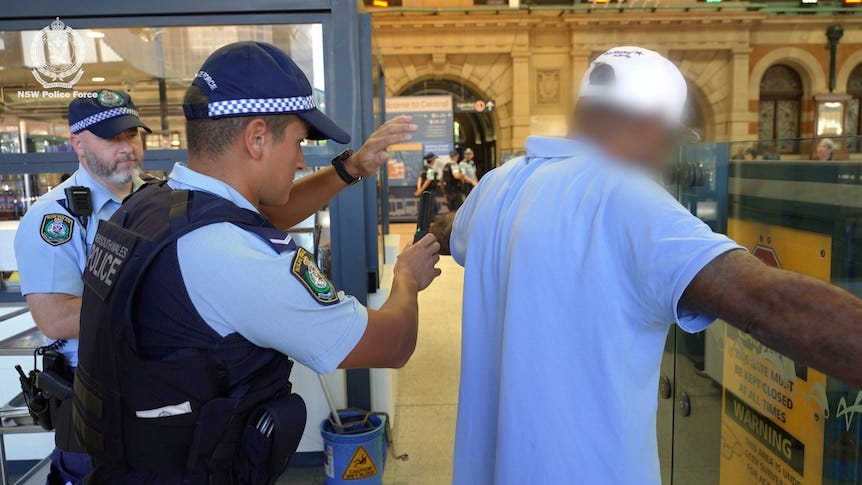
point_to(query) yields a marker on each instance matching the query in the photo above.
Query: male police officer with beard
(56, 235)
(194, 299)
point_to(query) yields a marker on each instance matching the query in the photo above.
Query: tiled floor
(428, 384)
(427, 388)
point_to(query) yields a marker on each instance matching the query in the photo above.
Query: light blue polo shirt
(574, 269)
(240, 284)
(51, 261)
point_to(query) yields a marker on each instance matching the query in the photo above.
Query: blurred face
(281, 159)
(468, 156)
(649, 142)
(455, 157)
(116, 161)
(748, 156)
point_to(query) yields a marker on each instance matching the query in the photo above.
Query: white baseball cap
(637, 80)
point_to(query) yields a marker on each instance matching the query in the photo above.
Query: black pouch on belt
(270, 439)
(56, 382)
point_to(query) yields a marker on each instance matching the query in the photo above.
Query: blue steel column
(347, 211)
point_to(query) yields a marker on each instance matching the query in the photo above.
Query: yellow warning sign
(774, 409)
(361, 466)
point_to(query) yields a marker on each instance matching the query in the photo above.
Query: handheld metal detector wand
(424, 222)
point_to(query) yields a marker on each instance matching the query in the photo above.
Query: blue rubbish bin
(357, 456)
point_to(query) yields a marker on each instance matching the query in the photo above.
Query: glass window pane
(766, 120)
(852, 125)
(154, 64)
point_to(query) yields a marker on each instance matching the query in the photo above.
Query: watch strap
(338, 164)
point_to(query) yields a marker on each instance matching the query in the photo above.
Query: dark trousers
(68, 467)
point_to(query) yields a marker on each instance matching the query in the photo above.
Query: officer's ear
(254, 138)
(77, 144)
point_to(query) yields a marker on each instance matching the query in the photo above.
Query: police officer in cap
(55, 236)
(196, 301)
(467, 172)
(451, 185)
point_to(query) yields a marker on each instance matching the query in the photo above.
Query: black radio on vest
(169, 412)
(79, 203)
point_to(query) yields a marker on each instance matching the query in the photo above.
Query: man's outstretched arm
(799, 316)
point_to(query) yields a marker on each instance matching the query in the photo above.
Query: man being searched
(53, 241)
(195, 302)
(451, 185)
(576, 263)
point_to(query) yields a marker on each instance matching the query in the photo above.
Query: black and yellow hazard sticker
(317, 284)
(361, 466)
(57, 229)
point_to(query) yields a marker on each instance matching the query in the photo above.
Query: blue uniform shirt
(574, 269)
(51, 245)
(239, 284)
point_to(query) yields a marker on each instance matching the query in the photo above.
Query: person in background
(53, 241)
(772, 152)
(429, 179)
(450, 181)
(467, 172)
(825, 149)
(577, 261)
(749, 154)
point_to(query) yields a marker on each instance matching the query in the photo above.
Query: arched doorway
(473, 129)
(854, 111)
(780, 109)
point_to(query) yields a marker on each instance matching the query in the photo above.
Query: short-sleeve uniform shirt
(574, 270)
(239, 284)
(429, 172)
(467, 168)
(51, 245)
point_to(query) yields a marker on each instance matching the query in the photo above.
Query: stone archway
(489, 75)
(843, 75)
(478, 128)
(809, 69)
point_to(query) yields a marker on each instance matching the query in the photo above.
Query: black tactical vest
(180, 404)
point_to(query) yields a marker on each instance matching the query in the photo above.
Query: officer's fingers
(433, 248)
(436, 258)
(437, 272)
(398, 119)
(427, 241)
(382, 156)
(384, 140)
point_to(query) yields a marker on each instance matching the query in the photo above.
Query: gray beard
(109, 173)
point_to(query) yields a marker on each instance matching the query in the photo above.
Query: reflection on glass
(154, 64)
(757, 416)
(830, 118)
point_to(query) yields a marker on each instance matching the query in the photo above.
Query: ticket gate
(733, 411)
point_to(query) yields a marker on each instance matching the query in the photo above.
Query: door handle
(665, 389)
(684, 404)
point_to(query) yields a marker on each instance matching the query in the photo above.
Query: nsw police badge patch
(57, 229)
(307, 272)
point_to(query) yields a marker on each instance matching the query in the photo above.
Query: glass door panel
(744, 413)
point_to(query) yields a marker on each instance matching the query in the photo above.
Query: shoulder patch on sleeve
(56, 229)
(317, 284)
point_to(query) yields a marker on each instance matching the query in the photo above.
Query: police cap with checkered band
(106, 113)
(255, 78)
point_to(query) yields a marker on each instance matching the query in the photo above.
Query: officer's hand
(417, 262)
(368, 160)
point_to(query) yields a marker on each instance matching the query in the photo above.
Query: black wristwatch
(338, 163)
